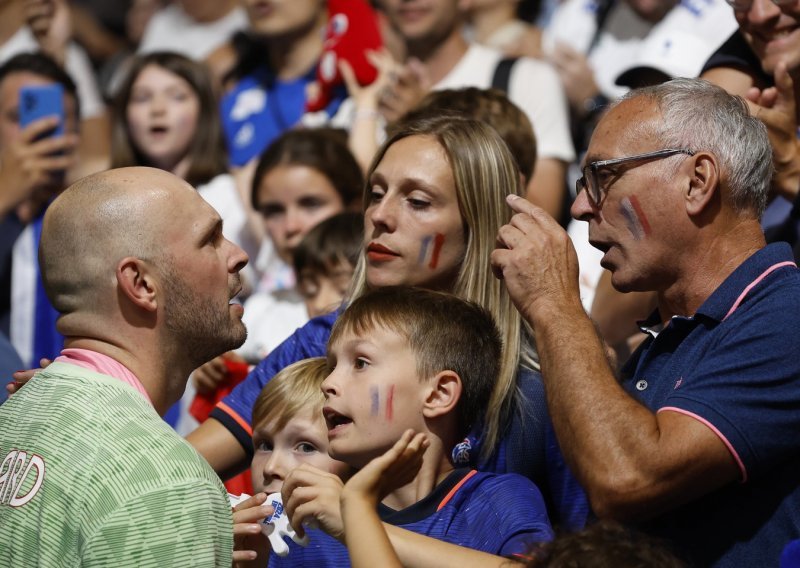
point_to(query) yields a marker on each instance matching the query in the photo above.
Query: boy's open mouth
(334, 420)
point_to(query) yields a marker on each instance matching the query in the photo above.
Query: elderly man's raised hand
(536, 260)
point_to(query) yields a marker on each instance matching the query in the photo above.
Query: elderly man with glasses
(697, 440)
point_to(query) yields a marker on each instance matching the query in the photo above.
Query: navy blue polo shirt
(735, 366)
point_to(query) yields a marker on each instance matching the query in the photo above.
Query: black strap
(502, 73)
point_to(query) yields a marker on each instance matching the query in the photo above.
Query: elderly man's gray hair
(700, 116)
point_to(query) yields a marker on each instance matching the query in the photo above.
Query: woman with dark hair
(303, 178)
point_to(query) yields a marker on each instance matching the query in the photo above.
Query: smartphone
(39, 101)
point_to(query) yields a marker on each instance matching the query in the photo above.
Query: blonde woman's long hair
(485, 173)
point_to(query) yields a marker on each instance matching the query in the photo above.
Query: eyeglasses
(592, 182)
(744, 5)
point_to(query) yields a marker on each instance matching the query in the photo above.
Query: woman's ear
(443, 395)
(704, 181)
(137, 283)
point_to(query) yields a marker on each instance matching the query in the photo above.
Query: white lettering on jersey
(15, 469)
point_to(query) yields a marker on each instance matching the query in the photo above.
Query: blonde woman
(433, 203)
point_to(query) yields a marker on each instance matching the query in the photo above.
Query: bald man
(135, 262)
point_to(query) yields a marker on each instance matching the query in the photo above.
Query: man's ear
(704, 180)
(137, 283)
(443, 395)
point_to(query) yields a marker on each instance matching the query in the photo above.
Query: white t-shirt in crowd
(171, 29)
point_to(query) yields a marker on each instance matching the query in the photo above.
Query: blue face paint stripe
(423, 250)
(375, 401)
(626, 208)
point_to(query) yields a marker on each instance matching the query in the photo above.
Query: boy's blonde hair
(294, 389)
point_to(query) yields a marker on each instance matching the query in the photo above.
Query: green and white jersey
(91, 476)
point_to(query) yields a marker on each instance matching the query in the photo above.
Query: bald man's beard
(203, 328)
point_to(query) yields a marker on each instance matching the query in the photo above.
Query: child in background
(165, 116)
(289, 431)
(325, 260)
(406, 358)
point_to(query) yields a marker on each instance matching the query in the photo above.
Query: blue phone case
(36, 102)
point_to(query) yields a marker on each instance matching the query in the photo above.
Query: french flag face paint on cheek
(635, 218)
(430, 249)
(375, 402)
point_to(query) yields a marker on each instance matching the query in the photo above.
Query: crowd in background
(306, 125)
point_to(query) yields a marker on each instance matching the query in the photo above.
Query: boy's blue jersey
(527, 447)
(323, 551)
(498, 514)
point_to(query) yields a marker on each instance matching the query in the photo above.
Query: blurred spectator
(9, 362)
(438, 57)
(49, 28)
(166, 117)
(35, 170)
(276, 61)
(193, 28)
(506, 25)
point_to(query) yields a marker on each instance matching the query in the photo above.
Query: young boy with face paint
(411, 359)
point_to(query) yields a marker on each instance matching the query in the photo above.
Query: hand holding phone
(34, 161)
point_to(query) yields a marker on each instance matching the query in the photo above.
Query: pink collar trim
(104, 365)
(754, 283)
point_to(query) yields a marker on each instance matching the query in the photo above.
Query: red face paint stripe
(640, 213)
(437, 247)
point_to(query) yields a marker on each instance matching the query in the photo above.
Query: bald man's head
(98, 221)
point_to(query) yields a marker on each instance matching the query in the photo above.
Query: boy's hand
(249, 542)
(394, 469)
(310, 494)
